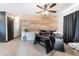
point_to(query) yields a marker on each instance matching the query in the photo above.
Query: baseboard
(17, 36)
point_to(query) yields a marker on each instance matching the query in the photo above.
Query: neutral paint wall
(16, 27)
(60, 24)
(34, 23)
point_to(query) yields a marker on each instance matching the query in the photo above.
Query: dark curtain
(69, 27)
(76, 38)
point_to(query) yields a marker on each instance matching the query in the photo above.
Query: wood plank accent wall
(34, 23)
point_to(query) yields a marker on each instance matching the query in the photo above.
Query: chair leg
(48, 46)
(36, 40)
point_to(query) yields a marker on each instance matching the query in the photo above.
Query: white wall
(60, 25)
(16, 27)
(66, 12)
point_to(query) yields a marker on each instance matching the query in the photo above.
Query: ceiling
(25, 9)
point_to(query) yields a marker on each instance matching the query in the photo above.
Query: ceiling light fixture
(45, 13)
(46, 8)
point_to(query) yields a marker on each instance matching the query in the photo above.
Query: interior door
(10, 28)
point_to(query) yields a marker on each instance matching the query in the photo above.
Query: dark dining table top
(48, 30)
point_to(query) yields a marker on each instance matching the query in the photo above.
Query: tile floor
(17, 47)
